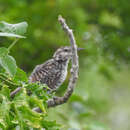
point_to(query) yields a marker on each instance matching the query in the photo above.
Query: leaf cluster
(17, 112)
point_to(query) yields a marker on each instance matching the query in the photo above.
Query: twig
(13, 93)
(14, 42)
(37, 109)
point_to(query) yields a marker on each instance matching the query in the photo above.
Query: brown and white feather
(54, 71)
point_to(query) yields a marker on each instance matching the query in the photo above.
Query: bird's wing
(41, 71)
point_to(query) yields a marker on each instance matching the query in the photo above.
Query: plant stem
(14, 42)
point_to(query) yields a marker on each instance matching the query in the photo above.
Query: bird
(54, 71)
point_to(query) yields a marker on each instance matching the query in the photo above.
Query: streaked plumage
(54, 71)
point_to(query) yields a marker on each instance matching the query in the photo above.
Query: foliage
(17, 112)
(102, 27)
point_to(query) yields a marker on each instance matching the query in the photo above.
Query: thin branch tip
(60, 18)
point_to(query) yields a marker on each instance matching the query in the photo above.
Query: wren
(54, 71)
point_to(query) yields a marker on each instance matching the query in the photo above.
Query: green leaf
(51, 125)
(19, 28)
(7, 80)
(5, 91)
(20, 76)
(38, 102)
(24, 112)
(4, 108)
(3, 51)
(13, 30)
(30, 117)
(11, 35)
(40, 90)
(9, 64)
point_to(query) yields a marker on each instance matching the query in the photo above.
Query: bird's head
(63, 53)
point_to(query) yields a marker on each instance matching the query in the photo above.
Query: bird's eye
(66, 50)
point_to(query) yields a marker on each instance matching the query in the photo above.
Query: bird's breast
(63, 74)
(62, 77)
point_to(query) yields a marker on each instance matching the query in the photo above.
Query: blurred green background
(101, 98)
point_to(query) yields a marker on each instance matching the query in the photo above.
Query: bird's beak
(78, 49)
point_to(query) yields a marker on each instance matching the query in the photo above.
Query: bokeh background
(101, 100)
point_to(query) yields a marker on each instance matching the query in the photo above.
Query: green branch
(14, 42)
